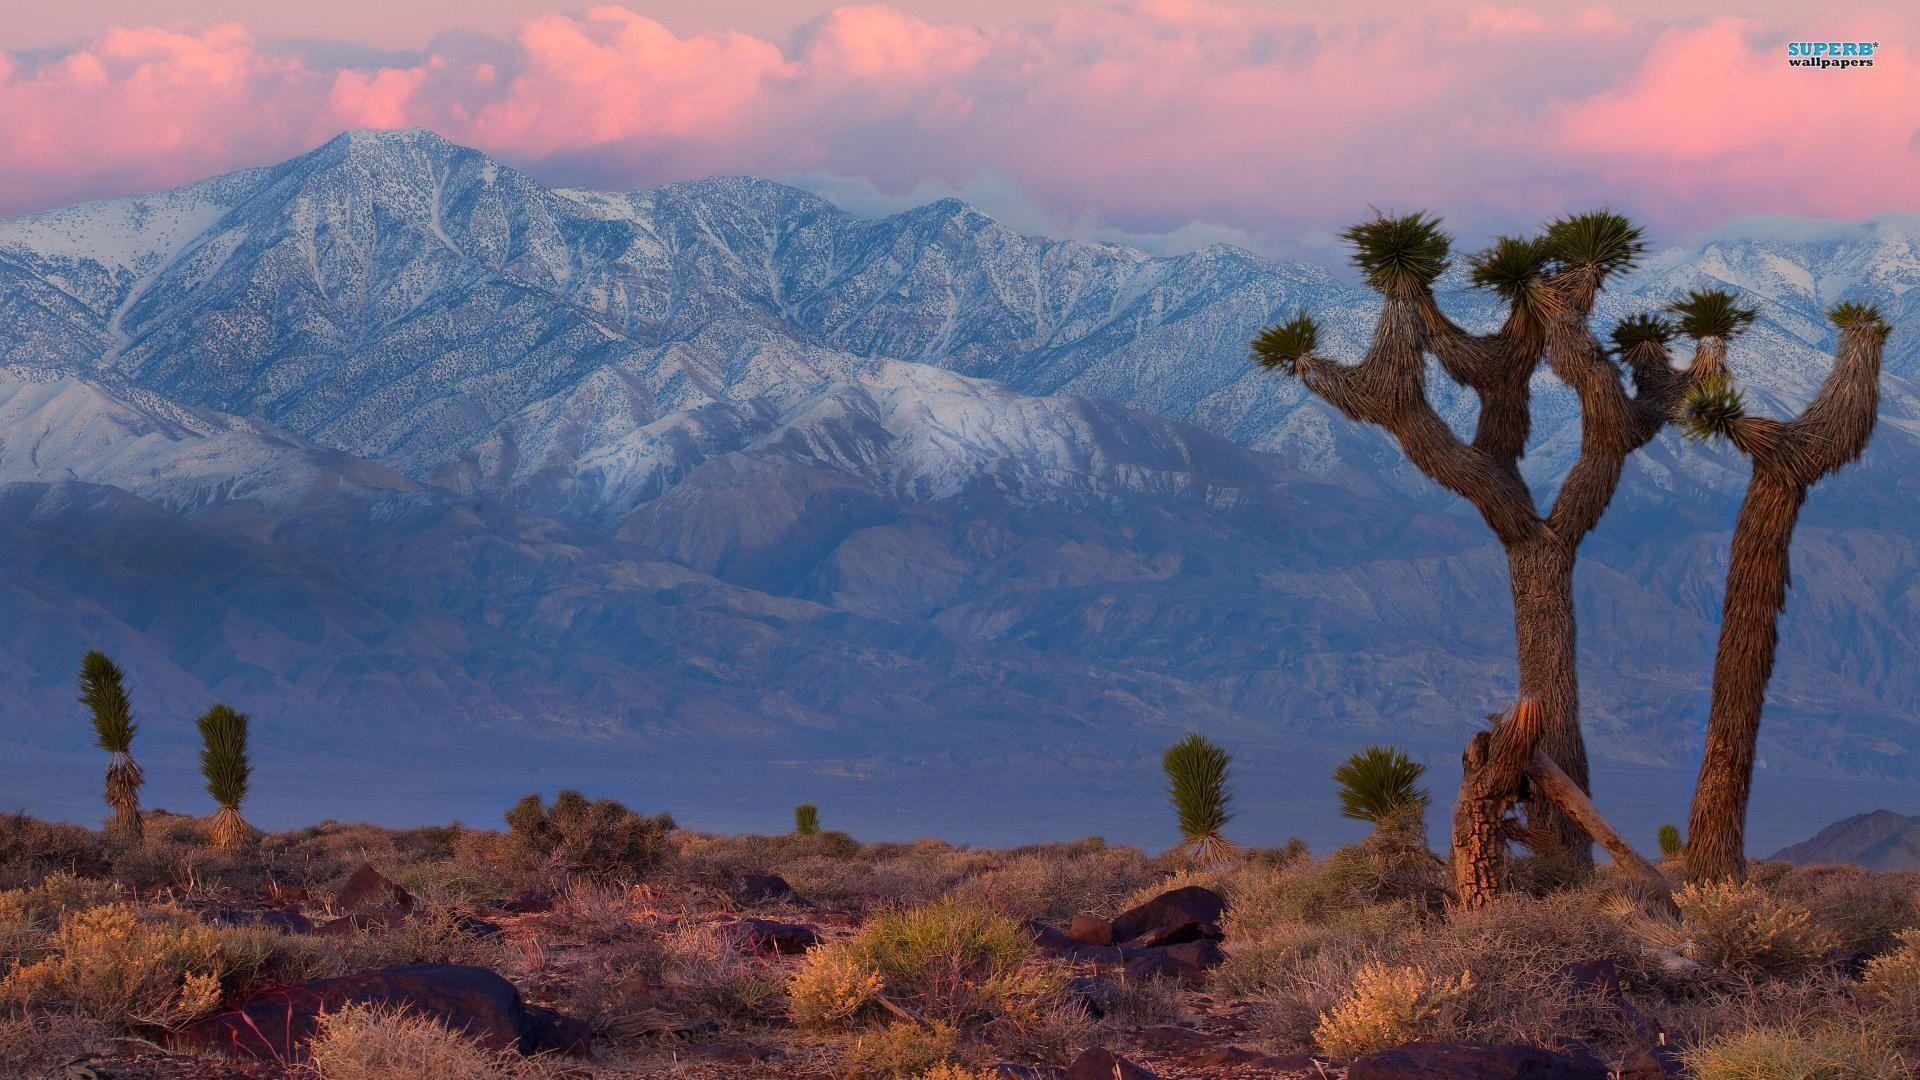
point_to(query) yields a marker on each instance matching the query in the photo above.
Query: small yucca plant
(224, 762)
(104, 693)
(1198, 785)
(1382, 785)
(1669, 841)
(806, 819)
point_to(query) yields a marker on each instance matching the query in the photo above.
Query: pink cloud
(1143, 119)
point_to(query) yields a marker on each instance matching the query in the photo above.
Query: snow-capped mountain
(719, 461)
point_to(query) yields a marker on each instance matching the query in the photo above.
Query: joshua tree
(1670, 844)
(105, 696)
(223, 761)
(806, 819)
(1549, 284)
(1788, 458)
(1197, 783)
(1382, 785)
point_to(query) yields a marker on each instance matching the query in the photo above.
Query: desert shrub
(945, 961)
(1864, 909)
(1742, 928)
(125, 966)
(601, 839)
(40, 1042)
(31, 848)
(1389, 1006)
(1057, 881)
(703, 975)
(360, 1042)
(1891, 984)
(28, 916)
(901, 1050)
(1797, 1054)
(832, 987)
(1268, 957)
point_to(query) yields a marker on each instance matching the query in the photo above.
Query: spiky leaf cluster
(806, 819)
(104, 693)
(1282, 346)
(1641, 329)
(1601, 240)
(1408, 249)
(1197, 783)
(1848, 315)
(1382, 785)
(1714, 313)
(1512, 267)
(223, 754)
(1712, 409)
(1670, 843)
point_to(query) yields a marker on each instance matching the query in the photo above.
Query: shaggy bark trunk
(1489, 784)
(1749, 634)
(1542, 576)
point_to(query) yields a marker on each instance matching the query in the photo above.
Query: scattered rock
(1170, 913)
(1101, 955)
(1179, 1040)
(1090, 930)
(1650, 1063)
(1188, 961)
(1474, 1061)
(477, 926)
(368, 889)
(1099, 1063)
(379, 919)
(1050, 940)
(276, 1024)
(528, 902)
(765, 889)
(1239, 1058)
(787, 939)
(287, 922)
(1099, 994)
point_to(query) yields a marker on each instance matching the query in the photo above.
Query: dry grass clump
(1771, 1053)
(1863, 909)
(360, 1042)
(1058, 881)
(947, 961)
(901, 1049)
(30, 849)
(1891, 985)
(1389, 1006)
(38, 1042)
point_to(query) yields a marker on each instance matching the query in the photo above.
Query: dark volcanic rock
(1100, 955)
(1099, 994)
(1474, 1061)
(788, 939)
(1049, 939)
(1170, 913)
(1091, 930)
(528, 902)
(765, 889)
(275, 1025)
(368, 889)
(1099, 1063)
(1188, 961)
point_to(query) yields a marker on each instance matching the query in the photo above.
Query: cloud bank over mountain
(1151, 121)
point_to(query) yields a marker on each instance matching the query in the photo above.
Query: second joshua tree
(1788, 458)
(224, 762)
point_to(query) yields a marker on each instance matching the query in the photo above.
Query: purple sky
(1167, 123)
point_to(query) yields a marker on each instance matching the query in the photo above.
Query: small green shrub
(1768, 1053)
(947, 960)
(1669, 838)
(601, 839)
(1743, 929)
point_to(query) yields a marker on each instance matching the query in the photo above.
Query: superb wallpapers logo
(1831, 54)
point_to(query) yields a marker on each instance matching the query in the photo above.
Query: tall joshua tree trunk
(1550, 284)
(1788, 459)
